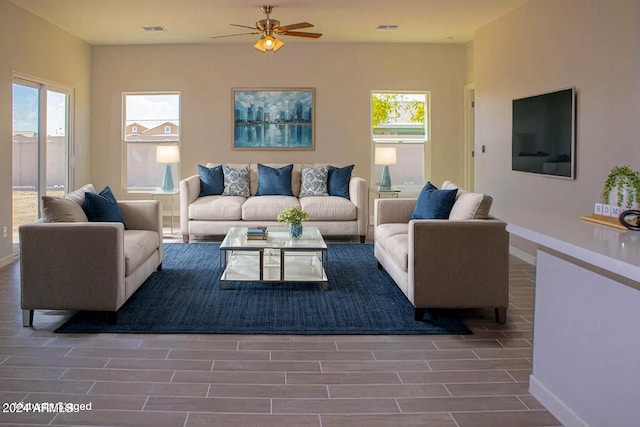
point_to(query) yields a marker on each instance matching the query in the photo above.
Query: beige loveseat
(92, 266)
(213, 215)
(460, 262)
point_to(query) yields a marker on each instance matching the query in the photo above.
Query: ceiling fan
(269, 28)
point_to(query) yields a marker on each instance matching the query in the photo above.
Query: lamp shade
(385, 156)
(167, 154)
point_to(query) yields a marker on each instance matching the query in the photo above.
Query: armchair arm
(392, 210)
(189, 192)
(359, 196)
(72, 266)
(471, 257)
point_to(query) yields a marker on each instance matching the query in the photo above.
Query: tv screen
(543, 134)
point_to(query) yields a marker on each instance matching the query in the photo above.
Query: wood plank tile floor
(258, 380)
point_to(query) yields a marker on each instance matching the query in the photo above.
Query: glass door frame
(43, 87)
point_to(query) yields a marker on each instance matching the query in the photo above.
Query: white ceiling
(108, 22)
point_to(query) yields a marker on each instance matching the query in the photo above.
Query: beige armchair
(443, 263)
(92, 266)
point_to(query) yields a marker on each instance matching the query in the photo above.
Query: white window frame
(403, 140)
(161, 140)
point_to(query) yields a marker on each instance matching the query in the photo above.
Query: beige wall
(342, 74)
(469, 66)
(544, 46)
(32, 46)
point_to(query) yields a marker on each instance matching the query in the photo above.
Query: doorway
(469, 136)
(41, 135)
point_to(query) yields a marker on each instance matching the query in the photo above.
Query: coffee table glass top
(277, 237)
(279, 257)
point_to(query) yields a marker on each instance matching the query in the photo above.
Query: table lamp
(385, 156)
(167, 154)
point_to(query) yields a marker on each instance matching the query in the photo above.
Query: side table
(168, 193)
(380, 192)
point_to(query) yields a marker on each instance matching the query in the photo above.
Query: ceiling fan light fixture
(269, 28)
(268, 43)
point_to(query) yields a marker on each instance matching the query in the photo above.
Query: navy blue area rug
(185, 297)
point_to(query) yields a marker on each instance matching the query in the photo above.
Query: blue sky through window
(25, 110)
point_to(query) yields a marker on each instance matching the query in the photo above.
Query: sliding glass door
(41, 147)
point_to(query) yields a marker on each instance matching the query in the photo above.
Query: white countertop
(611, 249)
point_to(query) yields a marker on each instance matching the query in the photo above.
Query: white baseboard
(522, 255)
(7, 260)
(558, 409)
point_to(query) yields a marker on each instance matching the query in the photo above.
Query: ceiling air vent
(154, 29)
(387, 27)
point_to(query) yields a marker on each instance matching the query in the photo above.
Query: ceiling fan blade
(232, 35)
(244, 26)
(300, 34)
(295, 26)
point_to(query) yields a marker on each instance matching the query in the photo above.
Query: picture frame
(273, 118)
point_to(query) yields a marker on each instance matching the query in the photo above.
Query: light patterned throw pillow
(314, 181)
(236, 181)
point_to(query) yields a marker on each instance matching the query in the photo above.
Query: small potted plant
(293, 217)
(627, 184)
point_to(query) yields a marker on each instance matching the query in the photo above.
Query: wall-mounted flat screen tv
(543, 134)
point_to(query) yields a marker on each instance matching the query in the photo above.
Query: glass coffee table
(278, 258)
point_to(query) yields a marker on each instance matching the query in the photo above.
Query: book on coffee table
(257, 233)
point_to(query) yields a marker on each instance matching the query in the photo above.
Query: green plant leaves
(625, 180)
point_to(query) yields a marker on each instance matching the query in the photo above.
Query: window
(151, 120)
(401, 120)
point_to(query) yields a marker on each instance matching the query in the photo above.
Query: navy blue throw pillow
(211, 180)
(338, 181)
(433, 203)
(274, 182)
(102, 207)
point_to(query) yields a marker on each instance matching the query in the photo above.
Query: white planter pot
(613, 199)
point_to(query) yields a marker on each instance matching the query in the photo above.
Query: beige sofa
(460, 262)
(92, 266)
(213, 215)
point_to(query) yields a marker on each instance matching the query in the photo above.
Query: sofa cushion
(236, 181)
(328, 208)
(211, 180)
(314, 181)
(274, 181)
(338, 181)
(102, 207)
(384, 231)
(433, 203)
(61, 209)
(469, 205)
(138, 246)
(397, 246)
(267, 208)
(216, 208)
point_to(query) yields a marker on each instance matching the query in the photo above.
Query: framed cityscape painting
(273, 119)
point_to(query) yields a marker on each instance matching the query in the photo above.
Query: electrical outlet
(4, 232)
